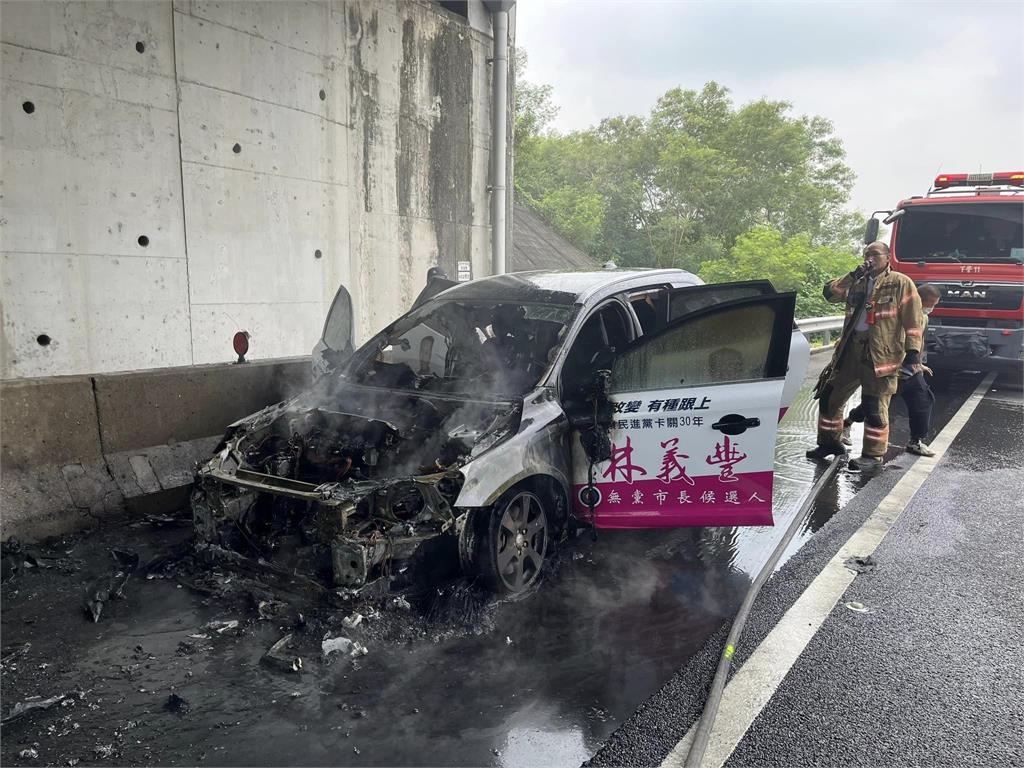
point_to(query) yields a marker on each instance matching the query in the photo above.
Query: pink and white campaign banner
(669, 467)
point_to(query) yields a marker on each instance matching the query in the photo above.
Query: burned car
(469, 433)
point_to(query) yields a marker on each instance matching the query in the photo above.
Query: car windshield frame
(368, 353)
(971, 241)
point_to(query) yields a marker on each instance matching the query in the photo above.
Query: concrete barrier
(77, 449)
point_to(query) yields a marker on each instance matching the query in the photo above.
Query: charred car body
(453, 436)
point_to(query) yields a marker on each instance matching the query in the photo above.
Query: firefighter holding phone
(882, 332)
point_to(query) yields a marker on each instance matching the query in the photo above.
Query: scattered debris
(103, 751)
(859, 564)
(176, 703)
(271, 609)
(73, 761)
(508, 640)
(277, 657)
(343, 644)
(16, 651)
(28, 754)
(111, 586)
(857, 607)
(220, 627)
(185, 648)
(353, 621)
(161, 521)
(11, 557)
(401, 602)
(22, 707)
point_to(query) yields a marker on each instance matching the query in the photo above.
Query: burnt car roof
(551, 287)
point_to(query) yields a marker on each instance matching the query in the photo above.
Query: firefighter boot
(866, 464)
(822, 452)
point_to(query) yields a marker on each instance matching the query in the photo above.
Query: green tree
(680, 186)
(792, 264)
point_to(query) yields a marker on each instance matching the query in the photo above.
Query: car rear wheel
(507, 545)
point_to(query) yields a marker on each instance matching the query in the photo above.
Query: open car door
(685, 301)
(694, 416)
(336, 342)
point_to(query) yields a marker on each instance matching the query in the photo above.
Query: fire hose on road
(707, 720)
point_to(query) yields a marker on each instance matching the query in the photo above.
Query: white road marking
(757, 680)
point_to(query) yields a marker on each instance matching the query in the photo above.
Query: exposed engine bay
(343, 499)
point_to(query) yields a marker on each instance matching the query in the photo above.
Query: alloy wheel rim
(521, 542)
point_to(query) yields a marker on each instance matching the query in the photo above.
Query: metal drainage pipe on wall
(499, 124)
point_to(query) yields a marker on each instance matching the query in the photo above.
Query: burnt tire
(506, 547)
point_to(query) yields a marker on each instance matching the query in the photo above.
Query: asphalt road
(931, 674)
(609, 657)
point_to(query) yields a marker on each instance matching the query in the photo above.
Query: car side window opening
(651, 309)
(469, 348)
(604, 333)
(727, 346)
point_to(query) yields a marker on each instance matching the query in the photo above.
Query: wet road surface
(930, 674)
(544, 680)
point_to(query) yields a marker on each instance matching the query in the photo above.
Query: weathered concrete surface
(79, 449)
(173, 405)
(48, 420)
(186, 170)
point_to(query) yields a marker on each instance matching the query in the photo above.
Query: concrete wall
(175, 172)
(76, 449)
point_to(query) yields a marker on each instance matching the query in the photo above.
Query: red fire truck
(966, 237)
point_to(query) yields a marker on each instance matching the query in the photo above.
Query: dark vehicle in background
(966, 236)
(468, 432)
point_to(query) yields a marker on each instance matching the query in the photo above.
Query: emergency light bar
(1010, 178)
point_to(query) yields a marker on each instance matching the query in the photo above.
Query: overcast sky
(911, 88)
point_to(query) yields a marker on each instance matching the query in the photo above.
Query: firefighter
(882, 333)
(913, 388)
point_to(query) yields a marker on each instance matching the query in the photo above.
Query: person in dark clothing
(913, 388)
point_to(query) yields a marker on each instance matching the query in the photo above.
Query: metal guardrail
(821, 325)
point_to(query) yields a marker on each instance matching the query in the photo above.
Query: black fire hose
(707, 718)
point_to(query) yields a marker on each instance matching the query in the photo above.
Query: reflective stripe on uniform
(881, 370)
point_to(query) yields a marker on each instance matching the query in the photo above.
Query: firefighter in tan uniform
(882, 333)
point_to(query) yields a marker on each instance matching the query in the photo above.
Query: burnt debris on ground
(110, 704)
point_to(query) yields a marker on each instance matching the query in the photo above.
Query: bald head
(876, 257)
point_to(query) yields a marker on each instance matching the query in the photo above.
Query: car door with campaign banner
(695, 410)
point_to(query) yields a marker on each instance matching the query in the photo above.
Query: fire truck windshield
(967, 233)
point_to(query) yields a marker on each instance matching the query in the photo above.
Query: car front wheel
(506, 546)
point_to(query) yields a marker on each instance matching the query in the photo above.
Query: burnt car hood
(356, 435)
(352, 479)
